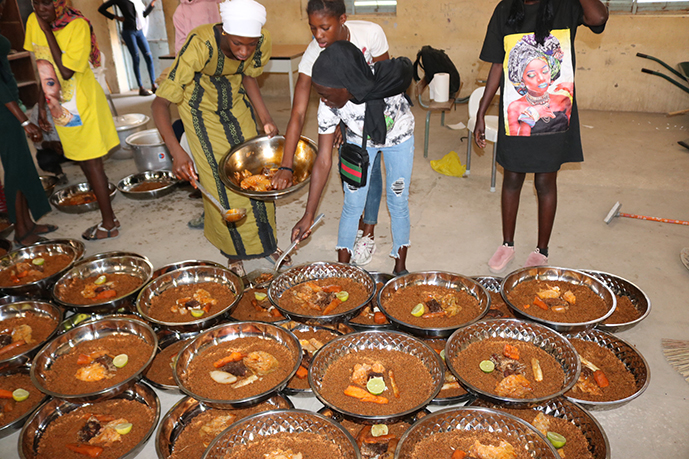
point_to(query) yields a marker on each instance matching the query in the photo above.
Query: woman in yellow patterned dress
(213, 83)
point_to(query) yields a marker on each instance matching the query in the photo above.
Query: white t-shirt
(398, 118)
(367, 36)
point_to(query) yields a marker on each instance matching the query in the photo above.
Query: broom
(677, 354)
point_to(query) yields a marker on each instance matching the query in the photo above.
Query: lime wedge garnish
(557, 440)
(120, 360)
(196, 312)
(20, 395)
(124, 428)
(379, 429)
(442, 354)
(342, 296)
(80, 318)
(418, 310)
(100, 280)
(487, 366)
(38, 261)
(376, 385)
(260, 296)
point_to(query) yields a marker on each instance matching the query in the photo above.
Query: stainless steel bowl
(6, 246)
(127, 125)
(82, 318)
(168, 338)
(66, 342)
(230, 332)
(551, 273)
(12, 427)
(540, 336)
(77, 245)
(134, 266)
(183, 264)
(381, 278)
(57, 198)
(50, 411)
(598, 444)
(42, 287)
(472, 419)
(190, 275)
(435, 344)
(126, 185)
(630, 358)
(300, 327)
(263, 425)
(258, 152)
(314, 271)
(375, 340)
(622, 287)
(49, 183)
(490, 283)
(440, 279)
(182, 415)
(114, 253)
(22, 309)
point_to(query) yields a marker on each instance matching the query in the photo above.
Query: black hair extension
(544, 19)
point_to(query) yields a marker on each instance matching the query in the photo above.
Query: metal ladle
(229, 215)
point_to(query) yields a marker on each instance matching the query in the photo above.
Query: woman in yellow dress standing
(213, 83)
(63, 42)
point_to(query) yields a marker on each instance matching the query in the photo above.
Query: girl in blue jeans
(369, 99)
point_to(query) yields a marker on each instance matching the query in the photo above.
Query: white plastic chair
(491, 131)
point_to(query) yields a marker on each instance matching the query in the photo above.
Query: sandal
(49, 228)
(91, 234)
(21, 241)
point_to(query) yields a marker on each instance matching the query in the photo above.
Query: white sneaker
(364, 248)
(359, 234)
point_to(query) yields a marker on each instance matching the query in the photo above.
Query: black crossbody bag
(353, 161)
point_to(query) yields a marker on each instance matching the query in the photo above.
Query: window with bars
(371, 6)
(647, 6)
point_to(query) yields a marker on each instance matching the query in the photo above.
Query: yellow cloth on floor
(449, 165)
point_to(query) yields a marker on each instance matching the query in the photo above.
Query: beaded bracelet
(286, 169)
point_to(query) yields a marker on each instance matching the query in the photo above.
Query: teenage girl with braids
(530, 44)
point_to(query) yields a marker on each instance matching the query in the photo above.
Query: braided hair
(544, 20)
(335, 8)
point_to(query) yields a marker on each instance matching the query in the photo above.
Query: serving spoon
(229, 215)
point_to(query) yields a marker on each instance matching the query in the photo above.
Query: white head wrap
(243, 18)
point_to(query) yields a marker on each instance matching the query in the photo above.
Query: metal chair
(491, 132)
(434, 106)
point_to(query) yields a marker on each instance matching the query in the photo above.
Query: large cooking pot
(150, 152)
(127, 125)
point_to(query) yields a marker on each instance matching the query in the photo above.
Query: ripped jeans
(399, 160)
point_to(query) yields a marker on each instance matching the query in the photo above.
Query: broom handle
(654, 219)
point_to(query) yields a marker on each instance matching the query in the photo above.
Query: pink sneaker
(502, 256)
(536, 258)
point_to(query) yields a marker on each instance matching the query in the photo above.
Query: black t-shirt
(539, 124)
(128, 12)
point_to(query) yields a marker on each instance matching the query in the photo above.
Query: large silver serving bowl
(315, 271)
(12, 427)
(127, 125)
(229, 332)
(51, 411)
(376, 340)
(114, 253)
(561, 408)
(126, 185)
(65, 343)
(49, 183)
(263, 425)
(300, 327)
(551, 273)
(168, 338)
(76, 244)
(42, 287)
(182, 415)
(57, 199)
(630, 358)
(622, 287)
(440, 279)
(190, 275)
(259, 152)
(378, 278)
(440, 399)
(476, 420)
(23, 309)
(540, 336)
(183, 264)
(9, 226)
(133, 265)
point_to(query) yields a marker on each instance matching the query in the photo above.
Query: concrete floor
(630, 157)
